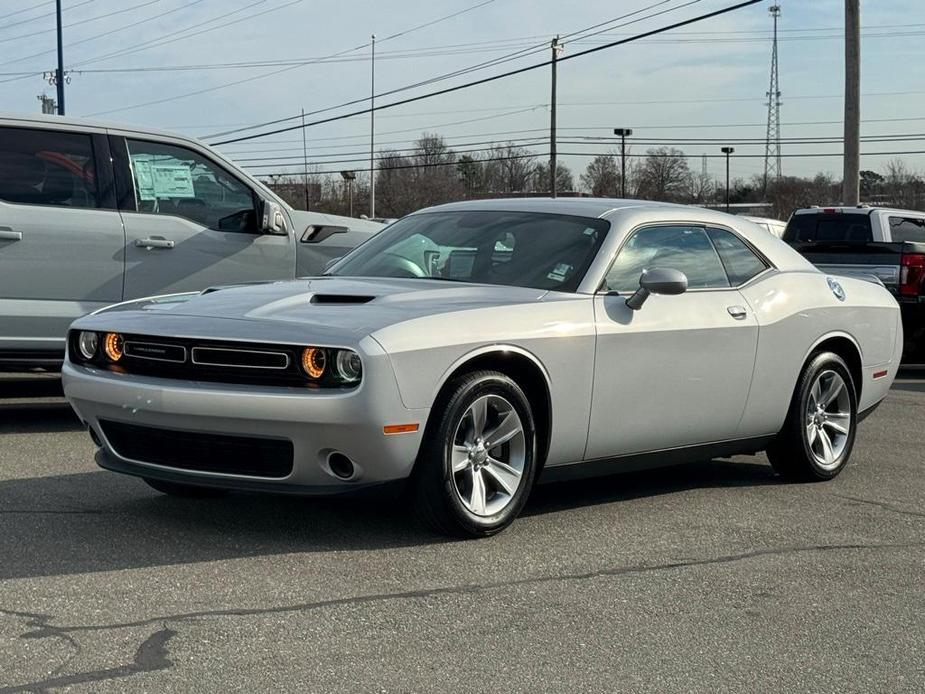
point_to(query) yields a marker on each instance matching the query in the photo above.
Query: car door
(190, 223)
(676, 372)
(61, 238)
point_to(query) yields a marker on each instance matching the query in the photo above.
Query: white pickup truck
(93, 214)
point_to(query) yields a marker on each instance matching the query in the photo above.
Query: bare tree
(565, 182)
(508, 169)
(664, 175)
(602, 176)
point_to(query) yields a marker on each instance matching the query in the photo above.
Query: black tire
(437, 497)
(793, 454)
(186, 491)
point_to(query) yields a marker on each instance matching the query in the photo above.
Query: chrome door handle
(154, 243)
(737, 312)
(7, 234)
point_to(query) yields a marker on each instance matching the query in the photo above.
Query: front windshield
(521, 249)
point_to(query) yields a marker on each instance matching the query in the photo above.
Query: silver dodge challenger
(472, 349)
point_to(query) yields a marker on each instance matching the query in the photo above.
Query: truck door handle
(7, 234)
(737, 312)
(154, 242)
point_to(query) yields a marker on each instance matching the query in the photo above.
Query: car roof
(864, 209)
(584, 207)
(33, 118)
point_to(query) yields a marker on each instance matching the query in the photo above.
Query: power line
(183, 34)
(41, 16)
(26, 9)
(132, 26)
(534, 155)
(540, 47)
(292, 67)
(503, 75)
(81, 21)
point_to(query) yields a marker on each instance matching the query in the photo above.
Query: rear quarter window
(907, 229)
(829, 228)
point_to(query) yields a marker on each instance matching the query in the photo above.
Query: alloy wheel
(828, 419)
(487, 455)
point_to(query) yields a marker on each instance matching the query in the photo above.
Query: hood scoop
(333, 299)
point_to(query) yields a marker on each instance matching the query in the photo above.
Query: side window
(907, 229)
(45, 167)
(740, 261)
(683, 248)
(177, 181)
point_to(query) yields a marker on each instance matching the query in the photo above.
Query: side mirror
(658, 280)
(272, 220)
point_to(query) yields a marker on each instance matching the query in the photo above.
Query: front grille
(184, 450)
(212, 361)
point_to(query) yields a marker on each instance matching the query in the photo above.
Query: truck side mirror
(272, 219)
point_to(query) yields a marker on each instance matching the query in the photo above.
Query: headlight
(87, 344)
(314, 362)
(348, 365)
(112, 345)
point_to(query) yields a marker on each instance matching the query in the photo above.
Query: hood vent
(341, 299)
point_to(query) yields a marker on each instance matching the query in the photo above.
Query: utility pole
(553, 162)
(59, 76)
(851, 178)
(623, 133)
(727, 151)
(305, 162)
(372, 134)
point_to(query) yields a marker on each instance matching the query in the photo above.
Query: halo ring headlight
(87, 344)
(314, 362)
(113, 346)
(348, 365)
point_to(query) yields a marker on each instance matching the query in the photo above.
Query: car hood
(322, 306)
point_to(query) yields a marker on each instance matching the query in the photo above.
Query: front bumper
(316, 422)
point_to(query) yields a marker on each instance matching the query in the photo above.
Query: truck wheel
(818, 435)
(188, 491)
(477, 462)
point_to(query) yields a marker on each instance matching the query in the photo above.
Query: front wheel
(477, 462)
(818, 435)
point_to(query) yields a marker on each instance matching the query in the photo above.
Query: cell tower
(772, 168)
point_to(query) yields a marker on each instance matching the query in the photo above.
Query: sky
(707, 80)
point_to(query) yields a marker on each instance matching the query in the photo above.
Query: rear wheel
(477, 462)
(818, 435)
(188, 491)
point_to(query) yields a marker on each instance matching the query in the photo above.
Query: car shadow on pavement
(37, 418)
(558, 496)
(97, 521)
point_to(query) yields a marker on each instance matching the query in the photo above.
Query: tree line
(431, 173)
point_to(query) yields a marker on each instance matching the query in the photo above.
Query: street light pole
(553, 159)
(60, 74)
(372, 133)
(623, 133)
(727, 151)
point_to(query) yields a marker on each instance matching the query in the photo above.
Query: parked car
(475, 347)
(771, 225)
(92, 214)
(870, 242)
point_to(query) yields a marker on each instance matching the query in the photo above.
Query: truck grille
(184, 450)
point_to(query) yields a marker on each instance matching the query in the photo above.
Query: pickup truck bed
(864, 243)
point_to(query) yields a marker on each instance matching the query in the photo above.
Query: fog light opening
(341, 465)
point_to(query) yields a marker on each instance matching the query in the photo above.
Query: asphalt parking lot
(709, 578)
